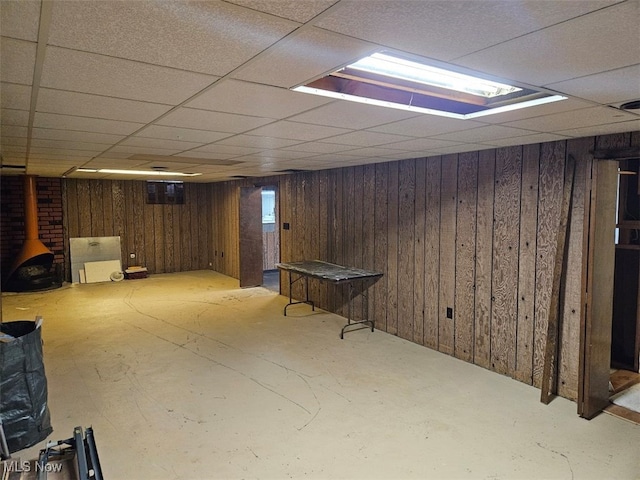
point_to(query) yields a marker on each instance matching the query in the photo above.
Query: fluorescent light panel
(396, 67)
(137, 172)
(396, 82)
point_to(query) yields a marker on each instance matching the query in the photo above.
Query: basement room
(323, 239)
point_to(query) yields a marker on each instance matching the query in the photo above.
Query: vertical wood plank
(138, 225)
(484, 257)
(392, 249)
(406, 247)
(196, 216)
(149, 236)
(448, 201)
(107, 207)
(323, 230)
(119, 211)
(571, 311)
(357, 209)
(432, 252)
(419, 251)
(381, 245)
(72, 217)
(84, 208)
(368, 227)
(158, 222)
(465, 255)
(527, 263)
(551, 180)
(96, 209)
(506, 240)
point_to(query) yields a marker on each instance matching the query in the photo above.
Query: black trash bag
(23, 386)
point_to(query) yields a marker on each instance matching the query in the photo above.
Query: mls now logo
(17, 465)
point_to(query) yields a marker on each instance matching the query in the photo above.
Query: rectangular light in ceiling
(394, 81)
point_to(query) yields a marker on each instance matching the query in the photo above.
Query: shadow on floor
(271, 280)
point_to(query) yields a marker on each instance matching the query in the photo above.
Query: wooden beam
(551, 347)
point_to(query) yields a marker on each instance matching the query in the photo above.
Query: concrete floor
(186, 376)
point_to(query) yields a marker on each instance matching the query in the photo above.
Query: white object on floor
(101, 271)
(629, 398)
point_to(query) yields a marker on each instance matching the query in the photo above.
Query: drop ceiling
(205, 86)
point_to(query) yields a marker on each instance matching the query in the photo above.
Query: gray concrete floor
(186, 376)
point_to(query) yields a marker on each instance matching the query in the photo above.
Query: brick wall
(49, 194)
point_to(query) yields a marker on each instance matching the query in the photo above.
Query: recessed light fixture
(400, 82)
(137, 172)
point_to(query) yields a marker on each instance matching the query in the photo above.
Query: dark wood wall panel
(381, 245)
(164, 238)
(465, 256)
(432, 252)
(552, 161)
(406, 248)
(419, 262)
(505, 259)
(527, 263)
(484, 253)
(448, 206)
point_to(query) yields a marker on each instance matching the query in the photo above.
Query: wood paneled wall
(165, 238)
(472, 233)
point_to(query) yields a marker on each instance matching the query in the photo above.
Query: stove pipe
(33, 251)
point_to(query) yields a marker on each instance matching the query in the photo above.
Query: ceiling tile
(13, 131)
(426, 126)
(421, 144)
(208, 37)
(614, 86)
(14, 117)
(182, 134)
(536, 111)
(319, 147)
(16, 141)
(20, 19)
(86, 105)
(102, 162)
(220, 149)
(468, 147)
(69, 144)
(17, 60)
(579, 118)
(98, 125)
(526, 140)
(91, 73)
(246, 98)
(213, 121)
(159, 143)
(301, 57)
(603, 40)
(351, 115)
(15, 96)
(366, 138)
(171, 166)
(208, 155)
(448, 29)
(621, 127)
(297, 131)
(51, 134)
(126, 150)
(292, 9)
(262, 143)
(481, 134)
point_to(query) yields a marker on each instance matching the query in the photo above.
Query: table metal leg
(306, 288)
(353, 293)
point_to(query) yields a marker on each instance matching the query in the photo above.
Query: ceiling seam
(46, 8)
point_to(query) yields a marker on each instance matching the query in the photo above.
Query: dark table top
(328, 271)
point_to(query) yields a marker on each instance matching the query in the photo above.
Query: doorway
(270, 238)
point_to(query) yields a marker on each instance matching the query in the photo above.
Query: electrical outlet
(449, 312)
(132, 255)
